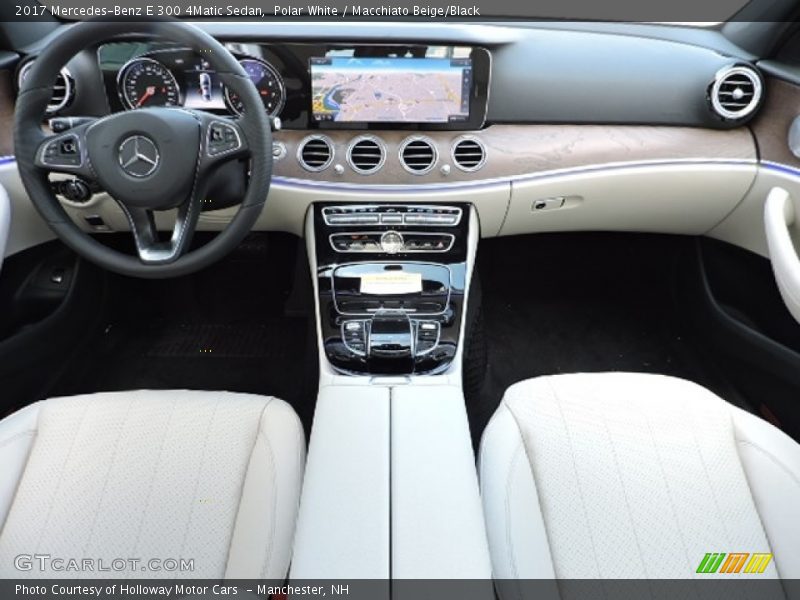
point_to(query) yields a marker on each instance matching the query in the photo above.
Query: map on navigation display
(403, 90)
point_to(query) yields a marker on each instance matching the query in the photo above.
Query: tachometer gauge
(268, 83)
(145, 82)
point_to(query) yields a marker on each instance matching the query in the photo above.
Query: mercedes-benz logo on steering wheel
(138, 156)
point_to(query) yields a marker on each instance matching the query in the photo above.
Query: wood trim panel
(515, 150)
(771, 125)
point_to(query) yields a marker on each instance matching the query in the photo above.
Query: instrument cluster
(178, 77)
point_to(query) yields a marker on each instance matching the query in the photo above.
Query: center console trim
(392, 435)
(331, 375)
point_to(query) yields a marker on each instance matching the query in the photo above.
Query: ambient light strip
(781, 167)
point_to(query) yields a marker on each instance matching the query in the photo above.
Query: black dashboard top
(311, 86)
(565, 73)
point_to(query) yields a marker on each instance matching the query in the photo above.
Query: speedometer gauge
(145, 82)
(268, 83)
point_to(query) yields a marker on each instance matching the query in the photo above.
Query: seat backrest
(5, 222)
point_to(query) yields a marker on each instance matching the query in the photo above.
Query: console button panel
(427, 336)
(376, 242)
(418, 338)
(391, 280)
(355, 336)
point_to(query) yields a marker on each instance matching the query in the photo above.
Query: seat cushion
(209, 477)
(619, 475)
(5, 222)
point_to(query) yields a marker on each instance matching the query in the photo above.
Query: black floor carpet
(568, 303)
(550, 304)
(273, 338)
(226, 328)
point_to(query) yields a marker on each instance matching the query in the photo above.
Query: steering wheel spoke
(152, 250)
(221, 141)
(66, 153)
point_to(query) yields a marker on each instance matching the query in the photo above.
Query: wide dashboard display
(391, 90)
(180, 78)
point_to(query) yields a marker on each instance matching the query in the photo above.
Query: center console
(391, 283)
(390, 279)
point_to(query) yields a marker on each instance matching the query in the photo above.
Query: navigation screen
(399, 90)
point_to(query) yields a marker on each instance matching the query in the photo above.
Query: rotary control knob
(392, 242)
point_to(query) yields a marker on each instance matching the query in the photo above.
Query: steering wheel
(148, 159)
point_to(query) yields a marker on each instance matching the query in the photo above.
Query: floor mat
(570, 303)
(266, 358)
(226, 340)
(225, 328)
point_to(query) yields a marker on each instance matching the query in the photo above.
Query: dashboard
(544, 127)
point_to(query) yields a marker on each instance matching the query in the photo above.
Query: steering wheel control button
(62, 152)
(62, 124)
(392, 242)
(138, 156)
(222, 138)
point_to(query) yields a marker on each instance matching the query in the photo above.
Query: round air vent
(736, 92)
(469, 154)
(418, 155)
(366, 154)
(63, 88)
(315, 153)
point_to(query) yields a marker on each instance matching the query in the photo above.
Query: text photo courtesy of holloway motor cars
(385, 300)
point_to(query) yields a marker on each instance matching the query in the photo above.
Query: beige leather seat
(622, 475)
(152, 475)
(5, 222)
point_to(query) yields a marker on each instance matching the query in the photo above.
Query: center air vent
(63, 88)
(469, 154)
(418, 155)
(736, 92)
(366, 154)
(315, 153)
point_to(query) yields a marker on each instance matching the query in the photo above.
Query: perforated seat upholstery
(622, 475)
(208, 477)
